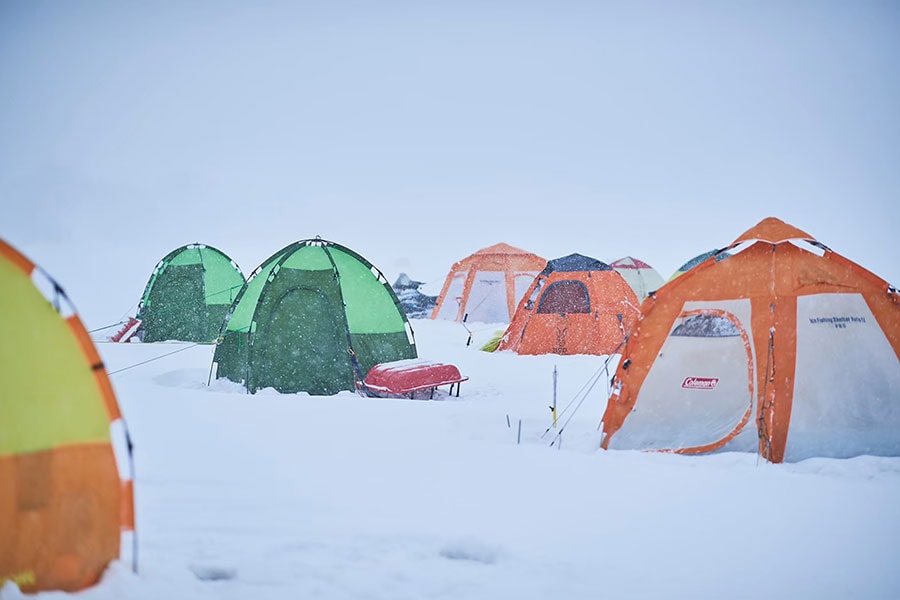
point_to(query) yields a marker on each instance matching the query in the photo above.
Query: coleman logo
(700, 383)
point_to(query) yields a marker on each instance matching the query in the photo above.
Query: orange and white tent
(642, 278)
(63, 503)
(785, 348)
(577, 305)
(487, 285)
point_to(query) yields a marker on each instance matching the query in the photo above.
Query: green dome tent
(188, 295)
(314, 317)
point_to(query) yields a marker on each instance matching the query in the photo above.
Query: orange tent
(63, 505)
(486, 286)
(577, 305)
(785, 348)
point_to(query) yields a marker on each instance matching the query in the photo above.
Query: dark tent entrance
(181, 310)
(307, 340)
(565, 297)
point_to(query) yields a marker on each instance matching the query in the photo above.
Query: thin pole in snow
(519, 435)
(508, 426)
(553, 408)
(212, 365)
(468, 341)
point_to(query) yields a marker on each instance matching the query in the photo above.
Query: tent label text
(837, 322)
(700, 383)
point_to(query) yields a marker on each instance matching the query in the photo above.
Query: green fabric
(188, 295)
(492, 344)
(189, 255)
(175, 308)
(245, 306)
(289, 328)
(50, 396)
(300, 342)
(309, 258)
(222, 280)
(370, 303)
(231, 357)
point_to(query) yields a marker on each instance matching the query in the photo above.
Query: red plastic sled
(406, 377)
(127, 330)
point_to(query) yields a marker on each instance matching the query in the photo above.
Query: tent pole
(553, 408)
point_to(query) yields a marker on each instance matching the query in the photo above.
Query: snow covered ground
(344, 497)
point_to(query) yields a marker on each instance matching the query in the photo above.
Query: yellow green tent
(63, 504)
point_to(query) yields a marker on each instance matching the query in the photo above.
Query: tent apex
(774, 231)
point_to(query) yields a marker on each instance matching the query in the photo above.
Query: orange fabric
(772, 276)
(16, 258)
(60, 517)
(772, 230)
(599, 332)
(96, 363)
(500, 258)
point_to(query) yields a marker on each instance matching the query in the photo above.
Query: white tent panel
(487, 299)
(523, 281)
(698, 391)
(642, 281)
(450, 303)
(846, 384)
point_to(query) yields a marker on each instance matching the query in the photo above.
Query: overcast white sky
(416, 133)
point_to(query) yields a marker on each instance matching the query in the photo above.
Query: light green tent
(314, 317)
(188, 295)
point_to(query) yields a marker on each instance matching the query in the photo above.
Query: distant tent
(787, 349)
(576, 305)
(487, 285)
(642, 278)
(314, 317)
(719, 254)
(188, 295)
(63, 505)
(415, 304)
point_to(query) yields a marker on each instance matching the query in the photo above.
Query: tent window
(529, 304)
(522, 281)
(709, 326)
(565, 297)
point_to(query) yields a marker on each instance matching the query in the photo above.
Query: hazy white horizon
(417, 134)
